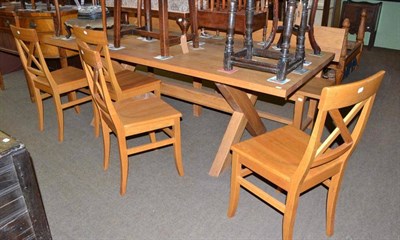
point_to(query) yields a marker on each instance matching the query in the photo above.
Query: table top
(207, 63)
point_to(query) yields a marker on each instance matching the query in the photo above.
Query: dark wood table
(236, 87)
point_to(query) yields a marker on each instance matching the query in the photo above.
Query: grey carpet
(82, 201)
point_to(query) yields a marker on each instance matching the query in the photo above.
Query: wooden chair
(296, 162)
(129, 117)
(122, 82)
(57, 83)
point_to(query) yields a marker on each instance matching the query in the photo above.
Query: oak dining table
(238, 89)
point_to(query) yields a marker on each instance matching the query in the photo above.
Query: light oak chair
(130, 117)
(296, 162)
(47, 84)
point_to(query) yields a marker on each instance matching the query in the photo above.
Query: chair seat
(280, 159)
(134, 84)
(313, 88)
(67, 79)
(134, 114)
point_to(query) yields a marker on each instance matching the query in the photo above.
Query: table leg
(117, 23)
(63, 57)
(240, 101)
(197, 83)
(298, 110)
(232, 135)
(244, 116)
(193, 22)
(164, 29)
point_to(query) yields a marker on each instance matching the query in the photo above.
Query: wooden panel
(22, 213)
(18, 229)
(7, 42)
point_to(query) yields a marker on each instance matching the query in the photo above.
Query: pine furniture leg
(244, 116)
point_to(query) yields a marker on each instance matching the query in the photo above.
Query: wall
(388, 35)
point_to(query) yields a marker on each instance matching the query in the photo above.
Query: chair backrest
(93, 66)
(31, 55)
(98, 39)
(349, 107)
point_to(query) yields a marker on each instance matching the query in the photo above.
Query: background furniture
(296, 162)
(352, 10)
(8, 16)
(22, 212)
(163, 33)
(213, 14)
(350, 56)
(130, 117)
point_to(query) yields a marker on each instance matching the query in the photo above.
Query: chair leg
(339, 75)
(72, 97)
(39, 105)
(106, 145)
(96, 120)
(298, 111)
(60, 117)
(312, 108)
(333, 194)
(235, 186)
(124, 163)
(289, 215)
(177, 147)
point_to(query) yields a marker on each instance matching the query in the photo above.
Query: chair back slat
(339, 143)
(93, 66)
(98, 40)
(27, 42)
